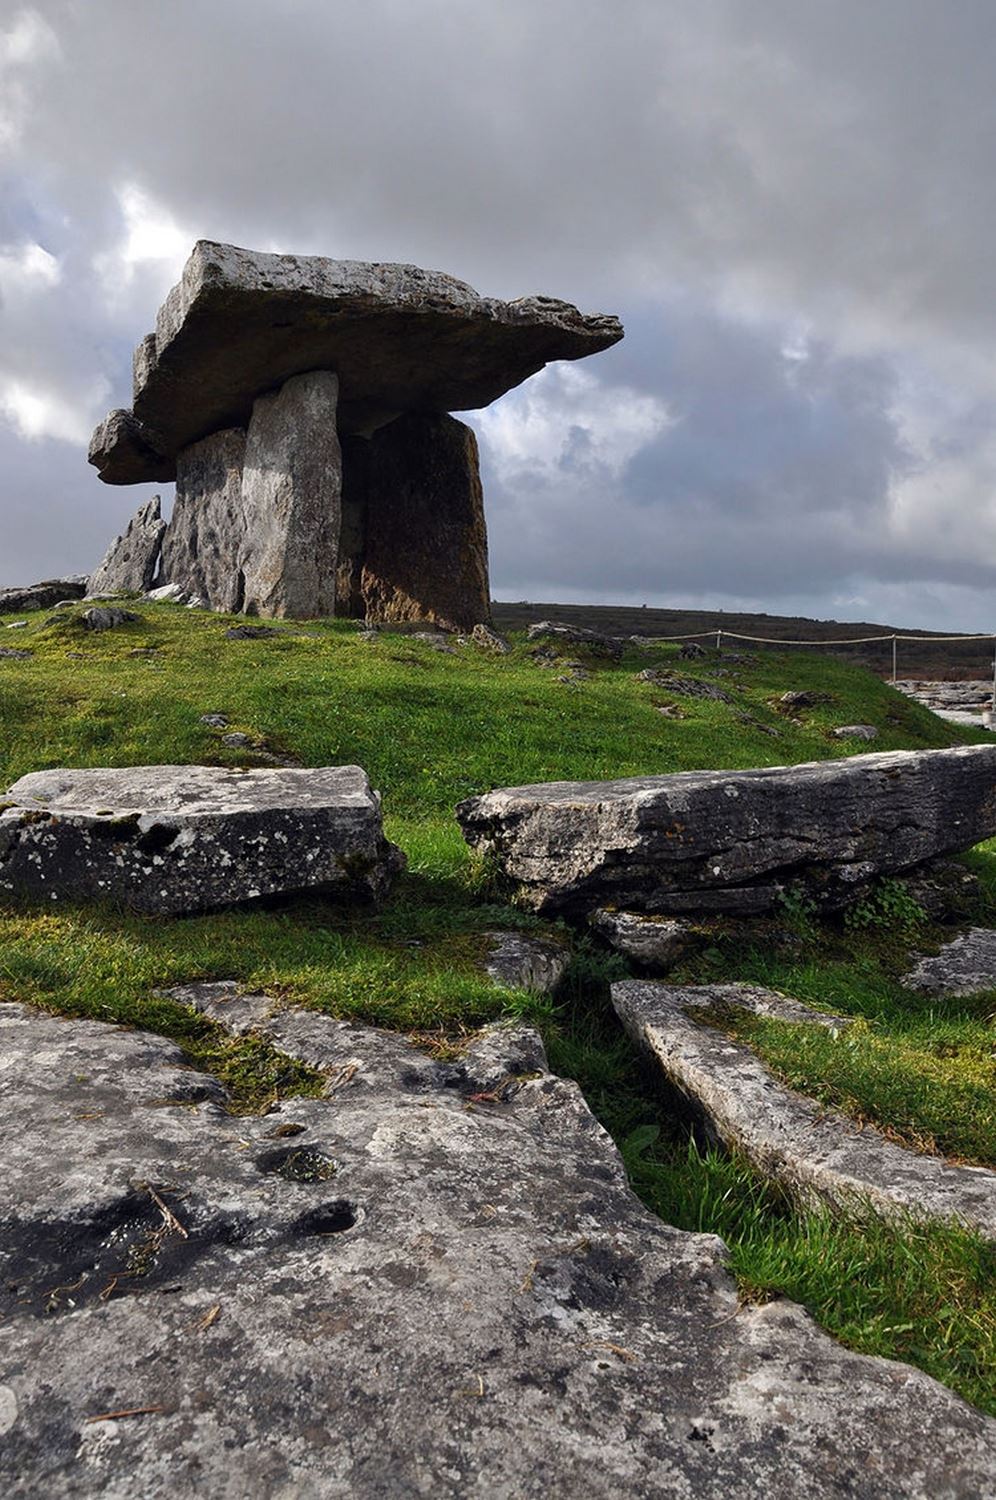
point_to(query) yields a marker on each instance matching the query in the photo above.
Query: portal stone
(291, 486)
(203, 546)
(425, 554)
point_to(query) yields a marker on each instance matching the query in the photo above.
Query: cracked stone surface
(434, 1281)
(677, 842)
(240, 322)
(965, 966)
(178, 839)
(816, 1152)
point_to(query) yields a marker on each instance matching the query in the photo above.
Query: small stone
(435, 639)
(168, 593)
(520, 961)
(684, 687)
(593, 641)
(216, 721)
(250, 632)
(107, 619)
(9, 653)
(804, 699)
(489, 640)
(238, 741)
(655, 942)
(855, 732)
(691, 651)
(965, 966)
(18, 625)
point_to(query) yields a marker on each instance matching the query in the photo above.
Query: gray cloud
(790, 203)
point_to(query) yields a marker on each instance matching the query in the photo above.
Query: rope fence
(853, 640)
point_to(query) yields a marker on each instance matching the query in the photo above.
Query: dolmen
(733, 841)
(179, 839)
(302, 406)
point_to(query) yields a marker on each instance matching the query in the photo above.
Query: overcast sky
(790, 203)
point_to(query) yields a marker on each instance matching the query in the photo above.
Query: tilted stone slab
(965, 966)
(206, 538)
(643, 841)
(433, 1281)
(816, 1152)
(177, 839)
(132, 558)
(241, 322)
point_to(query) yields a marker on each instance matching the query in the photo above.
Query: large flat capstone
(192, 838)
(434, 1281)
(400, 338)
(660, 843)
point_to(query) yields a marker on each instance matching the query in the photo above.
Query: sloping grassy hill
(434, 727)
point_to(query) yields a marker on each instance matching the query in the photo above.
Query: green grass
(432, 729)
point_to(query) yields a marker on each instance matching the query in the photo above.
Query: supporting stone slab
(291, 484)
(414, 495)
(204, 542)
(817, 1153)
(402, 1288)
(177, 839)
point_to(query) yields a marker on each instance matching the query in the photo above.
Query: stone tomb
(302, 406)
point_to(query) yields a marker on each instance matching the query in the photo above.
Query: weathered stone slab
(814, 1151)
(41, 595)
(417, 492)
(191, 838)
(645, 840)
(401, 339)
(414, 1293)
(576, 637)
(204, 543)
(291, 483)
(132, 558)
(965, 966)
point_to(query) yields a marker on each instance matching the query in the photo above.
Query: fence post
(719, 640)
(893, 661)
(992, 710)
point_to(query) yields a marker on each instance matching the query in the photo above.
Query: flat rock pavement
(433, 1281)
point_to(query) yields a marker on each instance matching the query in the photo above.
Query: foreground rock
(522, 961)
(41, 595)
(654, 942)
(711, 840)
(132, 559)
(965, 966)
(816, 1152)
(434, 1281)
(175, 839)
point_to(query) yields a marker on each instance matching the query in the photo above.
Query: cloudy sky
(790, 203)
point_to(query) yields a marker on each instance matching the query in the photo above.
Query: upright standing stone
(425, 549)
(291, 485)
(131, 560)
(202, 549)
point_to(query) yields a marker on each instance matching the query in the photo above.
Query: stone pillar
(204, 540)
(291, 509)
(415, 494)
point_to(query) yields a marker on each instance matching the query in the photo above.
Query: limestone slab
(964, 966)
(816, 1152)
(290, 501)
(176, 839)
(642, 842)
(434, 1281)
